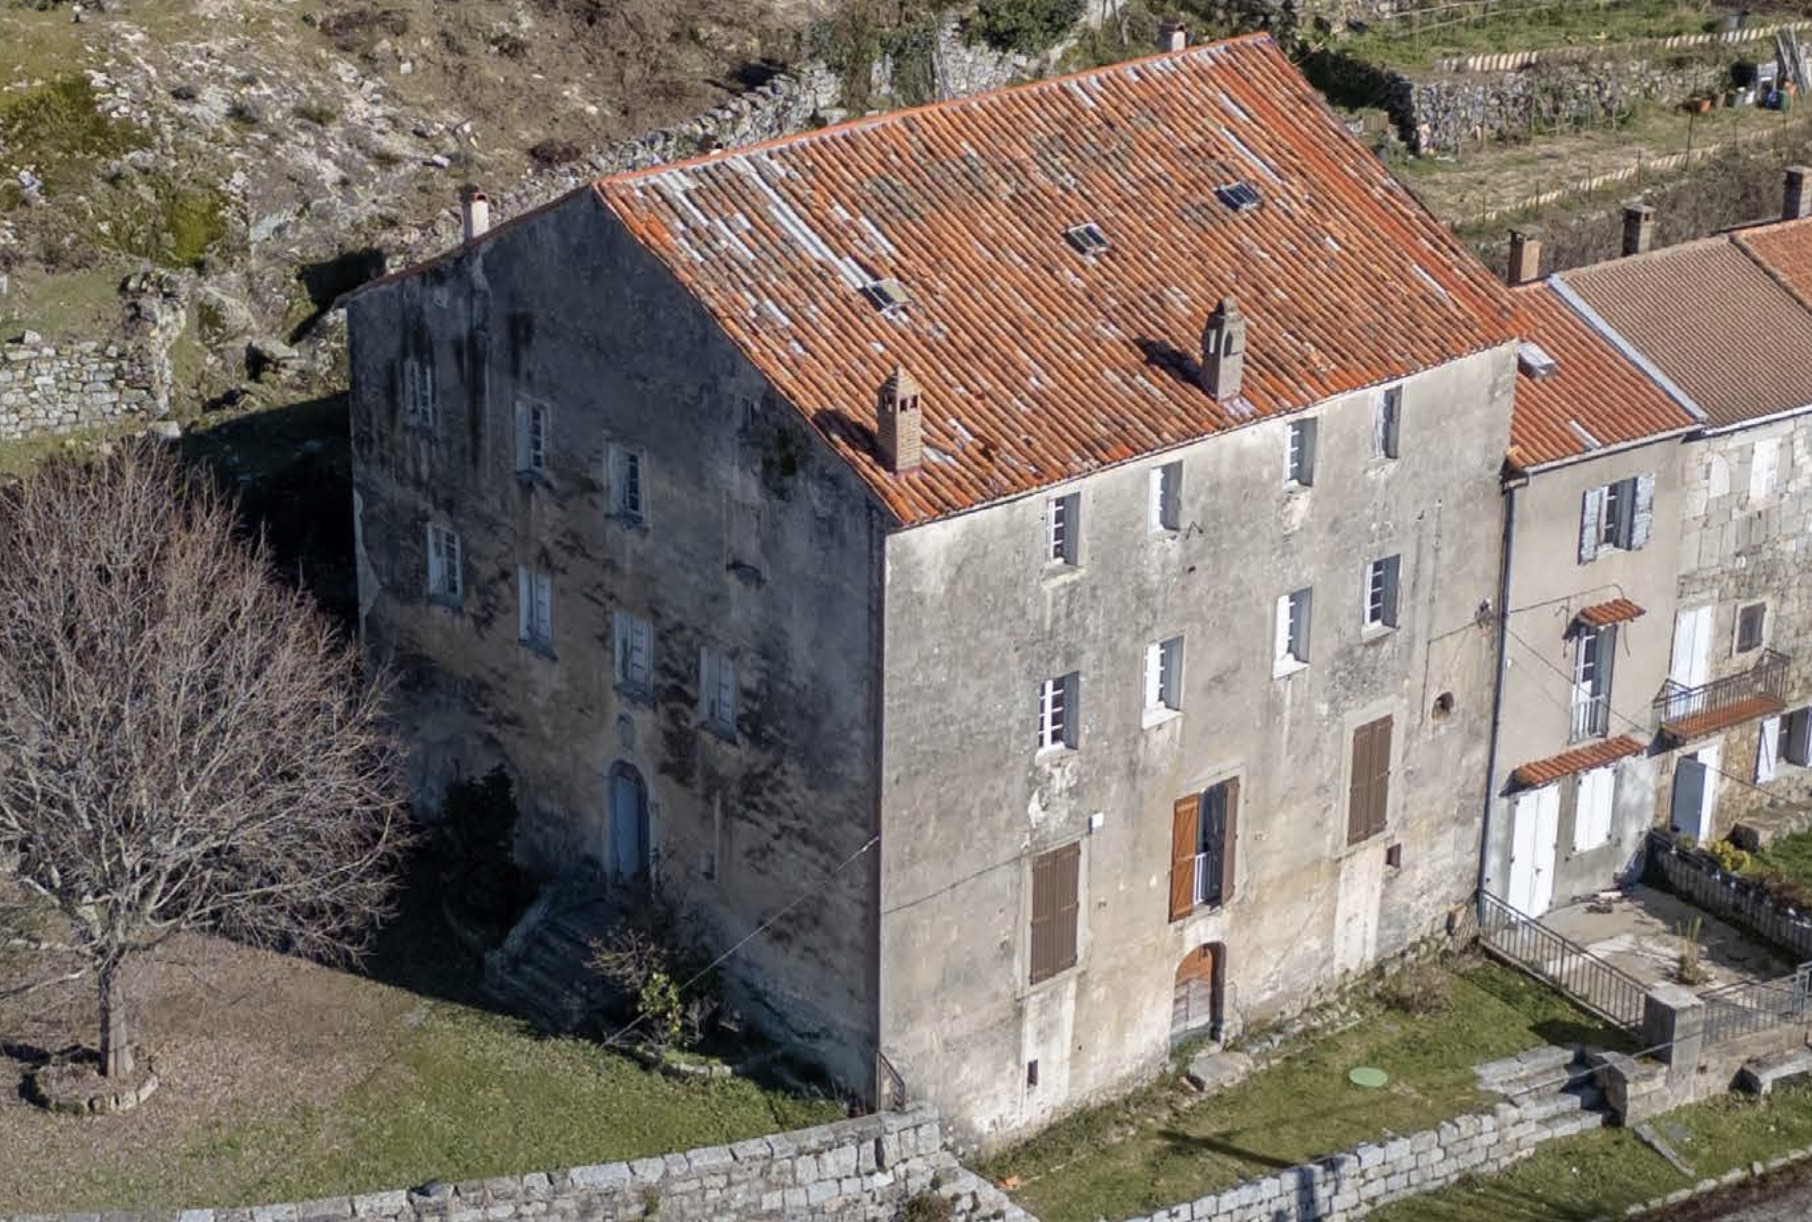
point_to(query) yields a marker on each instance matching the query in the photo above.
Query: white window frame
(419, 408)
(628, 476)
(1387, 422)
(1594, 803)
(533, 428)
(534, 608)
(1294, 614)
(1164, 511)
(1163, 679)
(1063, 530)
(717, 691)
(1594, 670)
(1768, 750)
(1057, 713)
(1764, 467)
(632, 654)
(1383, 594)
(1299, 453)
(445, 582)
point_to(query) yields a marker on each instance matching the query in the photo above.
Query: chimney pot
(1525, 256)
(1797, 202)
(474, 212)
(1224, 350)
(1173, 36)
(899, 426)
(1638, 228)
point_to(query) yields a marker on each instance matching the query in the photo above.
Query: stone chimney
(1173, 36)
(899, 427)
(474, 211)
(1796, 201)
(1638, 228)
(1224, 350)
(1525, 256)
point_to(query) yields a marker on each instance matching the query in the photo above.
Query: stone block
(1425, 1140)
(757, 1150)
(1370, 1155)
(273, 1213)
(324, 1209)
(709, 1158)
(608, 1175)
(378, 1204)
(819, 1191)
(534, 1186)
(1397, 1149)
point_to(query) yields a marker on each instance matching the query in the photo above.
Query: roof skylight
(1238, 196)
(1534, 360)
(887, 295)
(1087, 238)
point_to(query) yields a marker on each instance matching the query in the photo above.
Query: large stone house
(1033, 556)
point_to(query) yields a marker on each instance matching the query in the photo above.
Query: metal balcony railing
(1766, 681)
(1524, 942)
(1591, 717)
(1750, 1006)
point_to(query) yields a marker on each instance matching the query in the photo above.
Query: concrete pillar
(1673, 1023)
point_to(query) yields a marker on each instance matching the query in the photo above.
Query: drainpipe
(1511, 483)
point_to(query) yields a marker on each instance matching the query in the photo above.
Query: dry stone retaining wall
(46, 389)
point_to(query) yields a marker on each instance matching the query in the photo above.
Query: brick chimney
(1638, 228)
(1224, 350)
(899, 427)
(474, 211)
(1525, 256)
(1173, 36)
(1796, 201)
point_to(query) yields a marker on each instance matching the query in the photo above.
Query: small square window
(626, 491)
(1387, 422)
(535, 608)
(633, 654)
(1292, 632)
(1381, 592)
(531, 438)
(1752, 624)
(1165, 511)
(1163, 677)
(444, 584)
(1299, 460)
(1063, 529)
(717, 691)
(1057, 700)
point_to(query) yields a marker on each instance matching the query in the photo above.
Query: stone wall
(862, 1170)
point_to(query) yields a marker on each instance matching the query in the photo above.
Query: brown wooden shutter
(1183, 832)
(1359, 785)
(1379, 802)
(1229, 838)
(1054, 911)
(1069, 871)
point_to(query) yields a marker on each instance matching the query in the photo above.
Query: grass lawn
(1166, 1144)
(1791, 855)
(1602, 1173)
(1530, 25)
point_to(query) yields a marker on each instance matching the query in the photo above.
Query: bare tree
(185, 744)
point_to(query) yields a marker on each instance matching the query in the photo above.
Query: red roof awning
(1568, 763)
(1601, 615)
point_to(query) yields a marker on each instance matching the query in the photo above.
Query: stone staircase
(540, 970)
(1546, 1084)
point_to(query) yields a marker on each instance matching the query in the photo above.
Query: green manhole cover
(1365, 1075)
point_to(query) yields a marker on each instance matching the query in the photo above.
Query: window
(1057, 712)
(418, 393)
(1768, 750)
(531, 438)
(626, 484)
(1292, 632)
(1595, 650)
(1616, 517)
(1381, 593)
(717, 691)
(1237, 196)
(1752, 624)
(1592, 808)
(1163, 678)
(1063, 528)
(1054, 910)
(1764, 467)
(443, 564)
(1796, 735)
(1368, 794)
(1166, 498)
(1299, 462)
(1387, 421)
(535, 608)
(1087, 238)
(634, 654)
(1202, 832)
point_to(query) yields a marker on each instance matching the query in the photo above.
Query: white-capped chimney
(1796, 200)
(1224, 350)
(1638, 228)
(899, 425)
(1525, 256)
(474, 211)
(1173, 36)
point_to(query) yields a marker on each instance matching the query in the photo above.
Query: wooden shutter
(1358, 794)
(1643, 516)
(1054, 911)
(1184, 829)
(1590, 515)
(1378, 801)
(1229, 837)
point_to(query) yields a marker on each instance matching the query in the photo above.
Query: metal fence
(1767, 678)
(1591, 717)
(1525, 943)
(1750, 1006)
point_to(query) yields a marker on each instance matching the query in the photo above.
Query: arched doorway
(1196, 1003)
(628, 831)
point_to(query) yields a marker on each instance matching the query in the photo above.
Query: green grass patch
(1602, 1173)
(463, 1095)
(170, 223)
(72, 305)
(1164, 1144)
(1791, 855)
(1415, 40)
(58, 129)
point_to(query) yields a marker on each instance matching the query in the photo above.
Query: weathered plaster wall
(974, 625)
(1737, 548)
(1548, 588)
(570, 313)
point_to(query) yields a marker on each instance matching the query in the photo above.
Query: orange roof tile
(1713, 321)
(1595, 397)
(1784, 248)
(1039, 362)
(1580, 759)
(1700, 724)
(1616, 611)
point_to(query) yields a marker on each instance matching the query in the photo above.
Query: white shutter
(1592, 810)
(435, 577)
(1282, 650)
(544, 607)
(620, 648)
(524, 598)
(726, 692)
(1767, 750)
(707, 684)
(1155, 494)
(1154, 675)
(641, 650)
(1590, 516)
(1764, 463)
(1644, 515)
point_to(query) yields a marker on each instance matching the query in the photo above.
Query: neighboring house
(1723, 324)
(1038, 551)
(1591, 545)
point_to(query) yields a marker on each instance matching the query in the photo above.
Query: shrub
(556, 152)
(1728, 856)
(321, 114)
(59, 129)
(644, 960)
(1417, 988)
(1026, 26)
(926, 1207)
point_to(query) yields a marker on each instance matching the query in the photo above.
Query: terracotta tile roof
(1616, 611)
(1595, 397)
(1784, 248)
(1710, 722)
(1714, 322)
(1580, 759)
(1039, 362)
